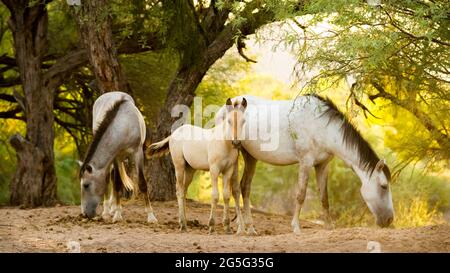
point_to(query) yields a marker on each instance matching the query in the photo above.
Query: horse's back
(279, 131)
(190, 143)
(128, 121)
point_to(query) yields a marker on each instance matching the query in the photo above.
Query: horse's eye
(384, 187)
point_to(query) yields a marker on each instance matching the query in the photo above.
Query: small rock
(195, 244)
(73, 247)
(373, 247)
(90, 237)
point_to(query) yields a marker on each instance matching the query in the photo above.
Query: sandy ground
(50, 229)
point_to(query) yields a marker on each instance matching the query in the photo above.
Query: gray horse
(310, 130)
(119, 133)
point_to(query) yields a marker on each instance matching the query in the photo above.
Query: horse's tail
(126, 180)
(123, 181)
(158, 149)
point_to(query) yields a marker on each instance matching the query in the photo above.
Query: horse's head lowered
(235, 121)
(377, 194)
(94, 178)
(93, 187)
(373, 172)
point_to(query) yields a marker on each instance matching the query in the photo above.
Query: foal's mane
(352, 138)
(101, 129)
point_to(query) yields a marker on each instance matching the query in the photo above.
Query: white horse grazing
(310, 130)
(193, 148)
(119, 132)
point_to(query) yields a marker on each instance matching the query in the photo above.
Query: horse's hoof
(228, 230)
(297, 231)
(117, 217)
(329, 226)
(106, 216)
(183, 229)
(240, 231)
(112, 211)
(151, 219)
(252, 232)
(211, 231)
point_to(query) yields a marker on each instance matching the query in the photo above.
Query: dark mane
(101, 129)
(351, 137)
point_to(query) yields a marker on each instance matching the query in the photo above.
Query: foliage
(401, 48)
(397, 54)
(149, 87)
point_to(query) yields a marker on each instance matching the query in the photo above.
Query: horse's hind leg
(117, 188)
(180, 173)
(236, 190)
(226, 199)
(142, 182)
(246, 181)
(188, 175)
(322, 177)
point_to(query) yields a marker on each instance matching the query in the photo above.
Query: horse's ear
(380, 165)
(244, 103)
(229, 105)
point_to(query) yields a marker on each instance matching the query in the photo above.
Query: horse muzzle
(90, 209)
(385, 221)
(236, 144)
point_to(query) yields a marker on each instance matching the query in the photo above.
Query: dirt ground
(50, 230)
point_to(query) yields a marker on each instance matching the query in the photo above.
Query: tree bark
(160, 172)
(218, 38)
(94, 24)
(34, 183)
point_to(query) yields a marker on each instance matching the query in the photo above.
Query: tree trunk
(94, 24)
(34, 182)
(160, 172)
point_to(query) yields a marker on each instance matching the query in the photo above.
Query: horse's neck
(104, 154)
(219, 135)
(351, 157)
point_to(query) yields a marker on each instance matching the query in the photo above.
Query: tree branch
(423, 118)
(57, 73)
(241, 46)
(12, 114)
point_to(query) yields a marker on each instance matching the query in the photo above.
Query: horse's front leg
(106, 201)
(303, 173)
(214, 197)
(226, 199)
